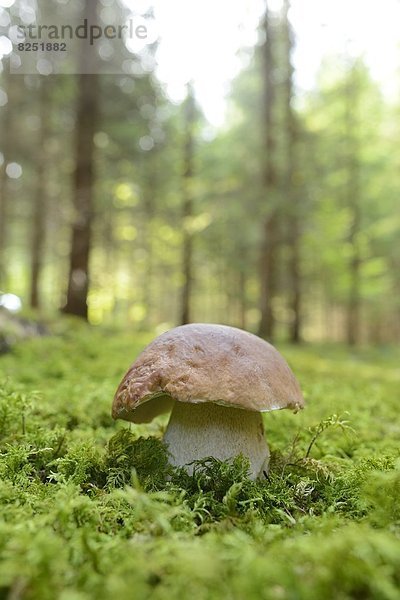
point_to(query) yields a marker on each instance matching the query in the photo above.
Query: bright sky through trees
(200, 40)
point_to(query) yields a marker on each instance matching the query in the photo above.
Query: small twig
(332, 421)
(313, 440)
(289, 458)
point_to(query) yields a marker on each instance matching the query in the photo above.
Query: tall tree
(187, 209)
(353, 202)
(269, 248)
(6, 145)
(292, 198)
(83, 183)
(40, 196)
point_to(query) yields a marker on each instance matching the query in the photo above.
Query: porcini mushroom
(217, 380)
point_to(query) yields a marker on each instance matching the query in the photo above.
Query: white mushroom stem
(199, 430)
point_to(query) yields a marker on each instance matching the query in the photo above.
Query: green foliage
(91, 509)
(147, 458)
(382, 491)
(317, 430)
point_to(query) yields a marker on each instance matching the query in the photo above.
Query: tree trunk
(40, 200)
(187, 212)
(293, 212)
(295, 280)
(354, 299)
(242, 284)
(353, 203)
(83, 183)
(3, 224)
(395, 270)
(269, 247)
(149, 201)
(6, 144)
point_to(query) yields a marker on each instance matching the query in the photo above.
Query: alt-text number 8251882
(42, 46)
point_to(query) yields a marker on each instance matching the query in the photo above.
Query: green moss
(90, 508)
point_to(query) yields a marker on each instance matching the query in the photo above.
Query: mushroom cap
(206, 363)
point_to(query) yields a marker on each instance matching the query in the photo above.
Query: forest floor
(78, 522)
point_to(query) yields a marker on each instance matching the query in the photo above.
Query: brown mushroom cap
(206, 363)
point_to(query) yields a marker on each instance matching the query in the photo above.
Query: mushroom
(217, 380)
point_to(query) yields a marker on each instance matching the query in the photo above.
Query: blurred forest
(120, 206)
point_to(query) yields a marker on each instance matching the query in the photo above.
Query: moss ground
(90, 509)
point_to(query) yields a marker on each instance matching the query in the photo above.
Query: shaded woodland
(118, 205)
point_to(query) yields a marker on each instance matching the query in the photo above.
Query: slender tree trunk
(354, 299)
(187, 212)
(40, 199)
(295, 280)
(353, 202)
(187, 273)
(3, 224)
(293, 212)
(78, 279)
(242, 299)
(5, 148)
(395, 270)
(270, 241)
(150, 193)
(148, 295)
(87, 112)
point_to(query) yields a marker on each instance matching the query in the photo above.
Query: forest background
(120, 203)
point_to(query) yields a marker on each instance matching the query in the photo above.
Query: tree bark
(149, 202)
(83, 183)
(353, 202)
(187, 209)
(242, 284)
(293, 212)
(295, 280)
(40, 200)
(6, 146)
(354, 299)
(269, 247)
(3, 225)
